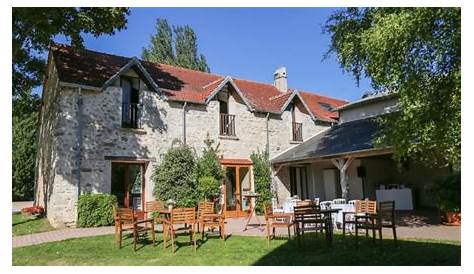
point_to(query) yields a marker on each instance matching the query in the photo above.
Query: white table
(343, 208)
(403, 197)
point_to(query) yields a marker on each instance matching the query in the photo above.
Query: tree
(35, 28)
(417, 53)
(33, 31)
(175, 177)
(262, 178)
(178, 47)
(25, 121)
(161, 49)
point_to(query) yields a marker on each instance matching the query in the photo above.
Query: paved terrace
(410, 225)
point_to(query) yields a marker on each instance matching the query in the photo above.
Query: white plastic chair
(316, 201)
(339, 201)
(326, 204)
(352, 202)
(275, 207)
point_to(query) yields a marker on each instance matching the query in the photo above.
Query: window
(227, 121)
(326, 106)
(296, 128)
(130, 102)
(299, 182)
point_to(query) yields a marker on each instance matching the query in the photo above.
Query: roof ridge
(213, 82)
(253, 81)
(182, 68)
(324, 96)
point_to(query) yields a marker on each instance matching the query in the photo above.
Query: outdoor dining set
(327, 216)
(303, 216)
(173, 220)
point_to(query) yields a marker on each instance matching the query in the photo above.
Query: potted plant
(447, 193)
(170, 203)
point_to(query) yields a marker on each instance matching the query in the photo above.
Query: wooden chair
(386, 218)
(126, 221)
(207, 218)
(181, 216)
(304, 203)
(362, 208)
(307, 218)
(152, 209)
(274, 220)
(367, 208)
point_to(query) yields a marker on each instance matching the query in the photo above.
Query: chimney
(279, 80)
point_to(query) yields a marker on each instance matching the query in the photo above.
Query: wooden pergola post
(343, 164)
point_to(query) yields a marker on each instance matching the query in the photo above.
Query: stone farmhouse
(106, 120)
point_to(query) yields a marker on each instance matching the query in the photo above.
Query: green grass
(22, 225)
(240, 250)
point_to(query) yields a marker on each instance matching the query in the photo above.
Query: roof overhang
(297, 94)
(228, 80)
(235, 161)
(368, 100)
(349, 154)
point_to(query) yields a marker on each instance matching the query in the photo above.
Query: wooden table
(252, 210)
(328, 222)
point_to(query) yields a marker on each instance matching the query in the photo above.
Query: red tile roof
(91, 68)
(313, 101)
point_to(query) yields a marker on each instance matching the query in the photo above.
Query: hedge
(95, 210)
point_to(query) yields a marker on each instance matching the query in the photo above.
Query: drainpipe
(268, 133)
(184, 122)
(79, 141)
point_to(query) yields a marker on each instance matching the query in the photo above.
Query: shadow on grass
(24, 221)
(314, 251)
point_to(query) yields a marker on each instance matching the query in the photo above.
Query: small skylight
(326, 106)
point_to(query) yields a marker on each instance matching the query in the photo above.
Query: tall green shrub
(95, 210)
(262, 178)
(175, 177)
(447, 192)
(209, 171)
(24, 144)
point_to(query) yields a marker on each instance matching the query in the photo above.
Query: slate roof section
(340, 139)
(92, 68)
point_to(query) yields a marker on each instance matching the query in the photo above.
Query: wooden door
(128, 184)
(236, 182)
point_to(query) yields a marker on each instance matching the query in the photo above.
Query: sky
(247, 43)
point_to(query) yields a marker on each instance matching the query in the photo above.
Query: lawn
(22, 225)
(240, 250)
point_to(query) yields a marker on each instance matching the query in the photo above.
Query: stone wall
(80, 139)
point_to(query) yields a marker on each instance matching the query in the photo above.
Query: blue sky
(248, 43)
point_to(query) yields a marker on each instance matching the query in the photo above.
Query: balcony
(227, 125)
(131, 115)
(297, 132)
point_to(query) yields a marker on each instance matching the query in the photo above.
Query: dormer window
(297, 128)
(130, 102)
(226, 121)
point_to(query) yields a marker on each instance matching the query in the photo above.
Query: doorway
(299, 182)
(237, 182)
(128, 184)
